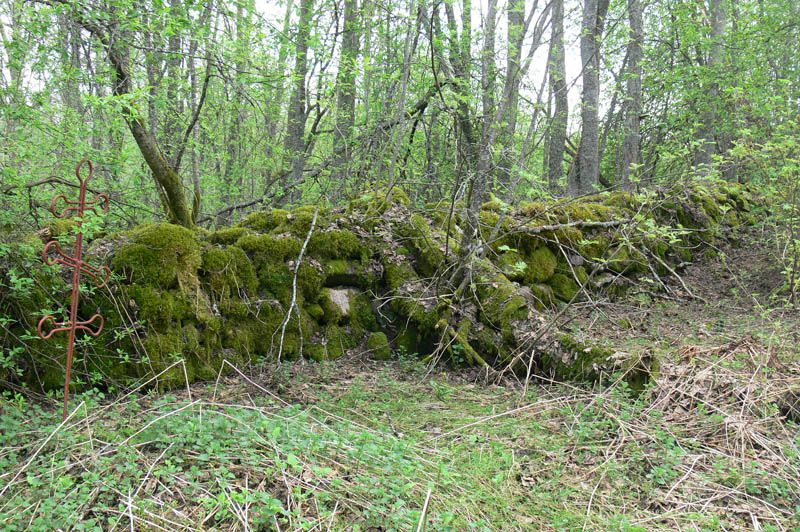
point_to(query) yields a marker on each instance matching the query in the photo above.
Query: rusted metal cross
(53, 254)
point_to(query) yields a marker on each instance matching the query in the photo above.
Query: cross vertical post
(53, 254)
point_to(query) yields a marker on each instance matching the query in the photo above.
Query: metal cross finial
(53, 254)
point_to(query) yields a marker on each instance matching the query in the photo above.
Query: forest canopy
(199, 112)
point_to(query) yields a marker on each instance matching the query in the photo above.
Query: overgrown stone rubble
(375, 276)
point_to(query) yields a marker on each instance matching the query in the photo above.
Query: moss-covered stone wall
(376, 276)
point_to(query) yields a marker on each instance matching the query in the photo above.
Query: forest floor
(357, 444)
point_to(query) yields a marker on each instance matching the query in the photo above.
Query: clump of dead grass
(737, 450)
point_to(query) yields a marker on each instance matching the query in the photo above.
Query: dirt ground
(728, 294)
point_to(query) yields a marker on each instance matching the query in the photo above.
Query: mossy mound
(160, 255)
(378, 346)
(228, 235)
(574, 360)
(379, 274)
(378, 201)
(541, 265)
(264, 222)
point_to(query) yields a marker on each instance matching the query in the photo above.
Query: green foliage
(512, 264)
(777, 162)
(626, 258)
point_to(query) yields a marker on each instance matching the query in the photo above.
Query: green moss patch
(228, 235)
(378, 346)
(416, 232)
(158, 255)
(564, 287)
(541, 266)
(336, 244)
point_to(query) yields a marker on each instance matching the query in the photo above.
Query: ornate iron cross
(53, 254)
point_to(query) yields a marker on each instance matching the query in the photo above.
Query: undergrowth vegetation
(373, 269)
(362, 449)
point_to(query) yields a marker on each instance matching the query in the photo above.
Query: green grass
(359, 449)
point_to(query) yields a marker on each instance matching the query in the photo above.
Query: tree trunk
(588, 171)
(409, 49)
(708, 148)
(295, 143)
(633, 102)
(71, 64)
(515, 16)
(275, 103)
(346, 89)
(558, 88)
(171, 127)
(460, 58)
(488, 66)
(165, 175)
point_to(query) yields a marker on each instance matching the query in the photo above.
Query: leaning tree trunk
(165, 175)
